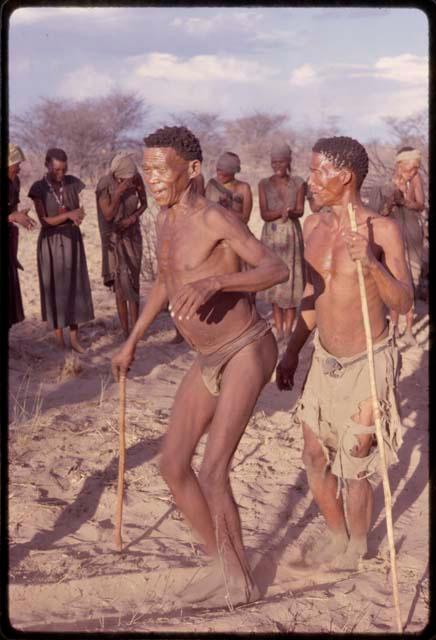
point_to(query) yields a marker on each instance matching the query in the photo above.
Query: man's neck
(184, 203)
(340, 212)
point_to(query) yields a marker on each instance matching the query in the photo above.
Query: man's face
(166, 174)
(408, 170)
(57, 169)
(13, 170)
(324, 182)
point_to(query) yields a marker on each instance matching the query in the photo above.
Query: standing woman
(232, 194)
(281, 202)
(15, 303)
(121, 200)
(63, 274)
(403, 199)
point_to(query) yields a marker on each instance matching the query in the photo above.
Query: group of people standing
(281, 204)
(210, 268)
(66, 299)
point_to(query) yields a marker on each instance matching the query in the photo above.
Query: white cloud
(85, 82)
(31, 15)
(406, 68)
(303, 76)
(200, 68)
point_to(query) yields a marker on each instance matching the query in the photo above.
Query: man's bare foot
(212, 588)
(326, 548)
(355, 550)
(178, 338)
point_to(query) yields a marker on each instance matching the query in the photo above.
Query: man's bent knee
(173, 471)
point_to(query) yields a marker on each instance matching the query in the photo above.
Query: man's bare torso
(336, 287)
(187, 251)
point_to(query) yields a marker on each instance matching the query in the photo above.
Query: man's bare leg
(191, 413)
(254, 364)
(289, 317)
(59, 337)
(122, 313)
(278, 320)
(323, 485)
(359, 496)
(74, 339)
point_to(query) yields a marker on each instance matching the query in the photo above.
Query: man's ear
(345, 176)
(194, 168)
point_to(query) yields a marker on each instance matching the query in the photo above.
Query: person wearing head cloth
(281, 202)
(232, 194)
(15, 216)
(121, 199)
(65, 289)
(403, 199)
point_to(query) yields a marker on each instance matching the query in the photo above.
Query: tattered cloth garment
(121, 248)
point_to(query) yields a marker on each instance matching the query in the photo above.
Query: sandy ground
(64, 571)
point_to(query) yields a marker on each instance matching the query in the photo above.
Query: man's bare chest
(185, 248)
(328, 255)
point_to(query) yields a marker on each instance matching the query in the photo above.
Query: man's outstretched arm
(156, 301)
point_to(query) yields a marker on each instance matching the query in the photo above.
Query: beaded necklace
(59, 199)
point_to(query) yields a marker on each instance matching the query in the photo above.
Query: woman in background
(403, 199)
(121, 200)
(281, 202)
(63, 274)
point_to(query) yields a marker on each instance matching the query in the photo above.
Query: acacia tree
(90, 130)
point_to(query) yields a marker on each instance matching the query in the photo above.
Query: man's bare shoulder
(219, 220)
(385, 229)
(310, 223)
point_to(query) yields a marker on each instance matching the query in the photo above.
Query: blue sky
(311, 63)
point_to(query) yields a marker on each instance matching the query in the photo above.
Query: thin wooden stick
(378, 427)
(121, 463)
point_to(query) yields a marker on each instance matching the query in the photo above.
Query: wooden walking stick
(378, 428)
(121, 463)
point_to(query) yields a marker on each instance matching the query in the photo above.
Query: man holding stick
(336, 409)
(199, 244)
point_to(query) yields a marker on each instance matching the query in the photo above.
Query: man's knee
(313, 455)
(314, 459)
(173, 471)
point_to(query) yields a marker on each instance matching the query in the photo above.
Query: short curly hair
(181, 139)
(345, 152)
